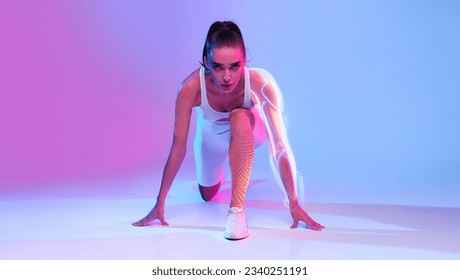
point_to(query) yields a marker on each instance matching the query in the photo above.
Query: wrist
(160, 202)
(293, 201)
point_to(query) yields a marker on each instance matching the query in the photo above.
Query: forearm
(287, 178)
(285, 171)
(172, 166)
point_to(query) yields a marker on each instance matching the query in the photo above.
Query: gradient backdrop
(371, 89)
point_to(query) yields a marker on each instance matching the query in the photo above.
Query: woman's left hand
(298, 214)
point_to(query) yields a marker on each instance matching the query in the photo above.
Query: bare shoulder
(258, 78)
(189, 89)
(262, 79)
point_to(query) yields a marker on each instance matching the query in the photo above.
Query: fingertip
(320, 227)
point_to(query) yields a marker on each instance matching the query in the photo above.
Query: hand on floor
(157, 213)
(298, 214)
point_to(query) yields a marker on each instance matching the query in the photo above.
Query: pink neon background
(74, 106)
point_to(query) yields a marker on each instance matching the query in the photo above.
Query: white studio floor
(92, 220)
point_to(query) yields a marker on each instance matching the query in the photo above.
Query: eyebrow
(232, 64)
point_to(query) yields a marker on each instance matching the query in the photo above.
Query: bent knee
(242, 117)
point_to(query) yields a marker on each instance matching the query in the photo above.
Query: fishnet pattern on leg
(241, 153)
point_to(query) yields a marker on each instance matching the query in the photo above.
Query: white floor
(92, 220)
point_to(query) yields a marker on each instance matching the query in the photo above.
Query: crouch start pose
(238, 109)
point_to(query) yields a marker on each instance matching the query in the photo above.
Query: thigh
(260, 132)
(211, 151)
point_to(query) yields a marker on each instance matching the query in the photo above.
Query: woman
(238, 109)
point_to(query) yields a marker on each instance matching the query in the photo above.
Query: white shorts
(211, 146)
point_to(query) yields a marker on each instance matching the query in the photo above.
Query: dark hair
(223, 33)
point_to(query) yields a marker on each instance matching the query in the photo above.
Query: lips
(226, 86)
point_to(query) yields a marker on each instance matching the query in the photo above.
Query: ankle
(236, 205)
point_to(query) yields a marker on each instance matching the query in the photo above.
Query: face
(227, 67)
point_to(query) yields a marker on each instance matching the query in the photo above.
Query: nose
(226, 76)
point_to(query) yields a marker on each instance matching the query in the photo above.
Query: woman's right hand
(157, 213)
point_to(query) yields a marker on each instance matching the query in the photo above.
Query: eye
(235, 67)
(216, 67)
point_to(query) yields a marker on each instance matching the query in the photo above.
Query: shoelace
(235, 217)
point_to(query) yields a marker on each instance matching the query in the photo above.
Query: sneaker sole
(234, 238)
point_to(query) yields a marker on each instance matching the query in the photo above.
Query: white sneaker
(237, 227)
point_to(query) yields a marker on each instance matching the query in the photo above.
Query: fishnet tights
(241, 153)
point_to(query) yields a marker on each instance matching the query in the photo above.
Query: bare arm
(183, 109)
(186, 100)
(281, 156)
(282, 159)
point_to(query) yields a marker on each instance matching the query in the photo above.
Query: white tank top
(206, 113)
